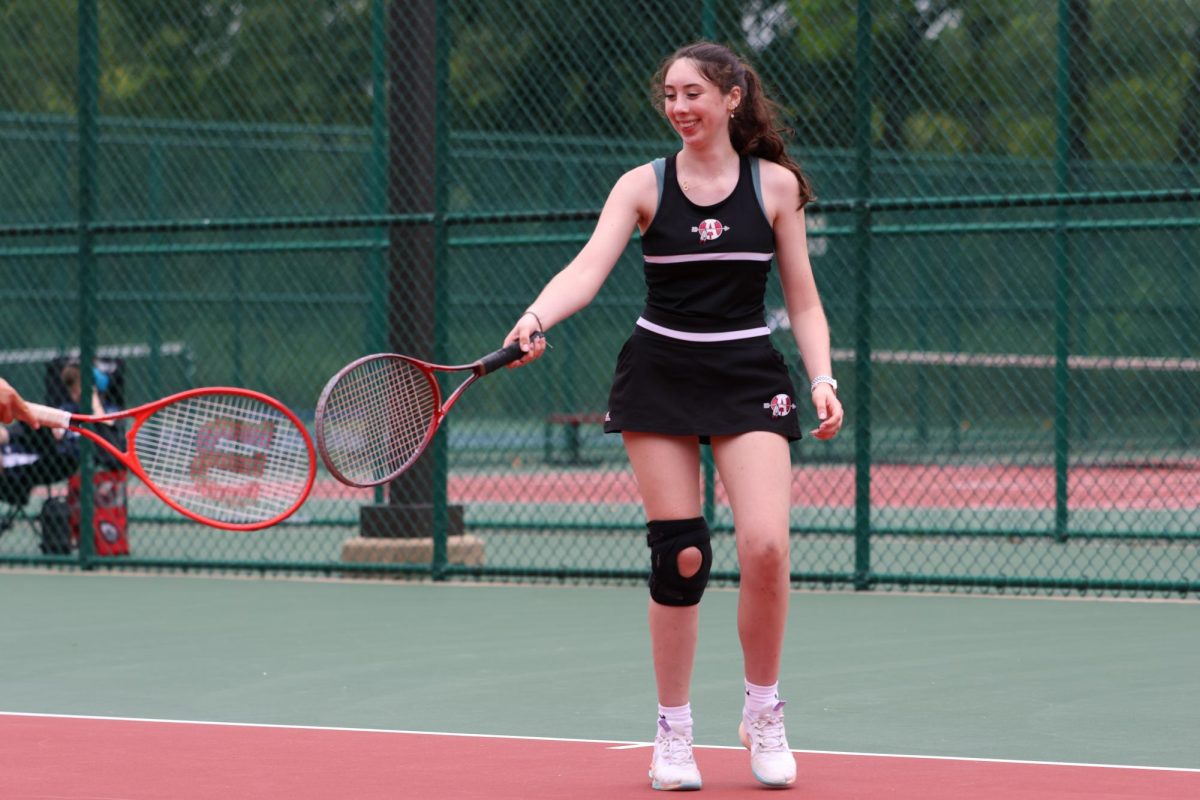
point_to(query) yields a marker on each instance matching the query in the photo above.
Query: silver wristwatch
(817, 381)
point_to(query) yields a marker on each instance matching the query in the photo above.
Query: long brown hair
(754, 129)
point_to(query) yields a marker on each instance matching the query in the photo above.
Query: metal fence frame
(92, 235)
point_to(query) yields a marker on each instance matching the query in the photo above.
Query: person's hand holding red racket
(14, 407)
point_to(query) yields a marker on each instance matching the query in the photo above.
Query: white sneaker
(770, 759)
(673, 767)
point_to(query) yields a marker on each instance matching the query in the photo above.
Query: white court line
(614, 744)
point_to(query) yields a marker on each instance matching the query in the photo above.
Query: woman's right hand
(523, 331)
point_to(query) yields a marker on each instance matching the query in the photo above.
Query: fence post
(154, 205)
(441, 270)
(862, 299)
(88, 113)
(418, 147)
(1068, 137)
(376, 275)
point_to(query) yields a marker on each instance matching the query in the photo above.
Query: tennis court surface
(136, 686)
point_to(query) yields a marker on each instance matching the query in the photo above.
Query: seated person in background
(74, 385)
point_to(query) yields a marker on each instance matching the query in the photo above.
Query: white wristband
(817, 381)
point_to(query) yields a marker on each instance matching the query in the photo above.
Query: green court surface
(1080, 681)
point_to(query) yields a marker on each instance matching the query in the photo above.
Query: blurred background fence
(1005, 237)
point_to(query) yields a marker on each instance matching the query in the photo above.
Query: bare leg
(667, 469)
(755, 469)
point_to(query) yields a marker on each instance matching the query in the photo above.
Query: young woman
(699, 368)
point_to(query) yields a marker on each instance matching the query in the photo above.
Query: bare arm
(810, 328)
(629, 204)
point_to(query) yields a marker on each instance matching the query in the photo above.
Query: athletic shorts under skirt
(682, 388)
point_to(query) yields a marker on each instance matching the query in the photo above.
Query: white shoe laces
(766, 732)
(674, 748)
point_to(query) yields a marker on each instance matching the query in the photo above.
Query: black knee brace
(667, 539)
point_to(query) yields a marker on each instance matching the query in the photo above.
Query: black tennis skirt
(681, 388)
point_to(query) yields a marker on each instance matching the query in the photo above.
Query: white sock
(759, 698)
(678, 717)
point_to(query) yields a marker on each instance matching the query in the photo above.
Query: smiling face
(695, 105)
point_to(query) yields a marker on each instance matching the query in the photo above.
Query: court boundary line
(617, 744)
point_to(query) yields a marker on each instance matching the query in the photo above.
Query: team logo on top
(781, 405)
(710, 230)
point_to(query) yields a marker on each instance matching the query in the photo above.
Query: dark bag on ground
(55, 523)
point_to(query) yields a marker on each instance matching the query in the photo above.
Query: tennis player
(13, 406)
(699, 369)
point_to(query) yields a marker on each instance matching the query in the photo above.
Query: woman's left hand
(829, 412)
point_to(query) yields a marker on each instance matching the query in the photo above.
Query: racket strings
(377, 418)
(228, 458)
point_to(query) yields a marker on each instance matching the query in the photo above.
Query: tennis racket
(230, 458)
(378, 414)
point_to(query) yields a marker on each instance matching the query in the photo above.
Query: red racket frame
(57, 418)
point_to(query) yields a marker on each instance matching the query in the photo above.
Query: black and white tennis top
(700, 361)
(706, 266)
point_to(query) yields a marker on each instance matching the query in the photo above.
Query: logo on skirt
(781, 405)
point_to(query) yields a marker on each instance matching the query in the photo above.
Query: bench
(569, 421)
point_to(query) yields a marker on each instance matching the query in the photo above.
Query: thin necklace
(683, 182)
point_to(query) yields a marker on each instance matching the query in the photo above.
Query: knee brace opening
(688, 562)
(668, 539)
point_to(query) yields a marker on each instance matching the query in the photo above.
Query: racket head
(376, 416)
(230, 458)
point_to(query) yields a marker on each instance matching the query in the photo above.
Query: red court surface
(85, 758)
(892, 486)
(1166, 487)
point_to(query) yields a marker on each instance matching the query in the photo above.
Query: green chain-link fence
(254, 193)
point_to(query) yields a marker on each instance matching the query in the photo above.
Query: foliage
(950, 76)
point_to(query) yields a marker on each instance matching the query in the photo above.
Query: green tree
(230, 60)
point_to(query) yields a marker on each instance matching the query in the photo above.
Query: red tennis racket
(230, 458)
(378, 414)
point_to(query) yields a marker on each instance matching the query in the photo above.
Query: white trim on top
(690, 336)
(709, 257)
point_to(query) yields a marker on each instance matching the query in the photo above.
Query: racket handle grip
(502, 357)
(49, 416)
